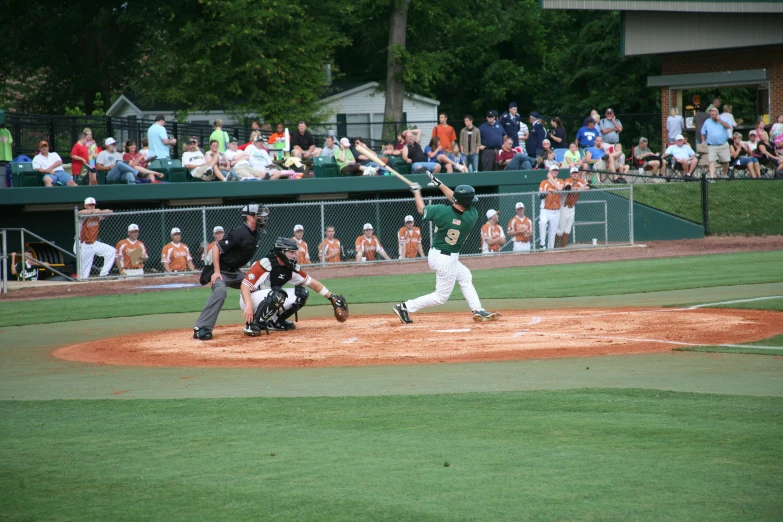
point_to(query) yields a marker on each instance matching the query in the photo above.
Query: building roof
(353, 88)
(694, 6)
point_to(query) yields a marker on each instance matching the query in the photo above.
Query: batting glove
(415, 187)
(435, 182)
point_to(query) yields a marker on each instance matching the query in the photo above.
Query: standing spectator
(572, 158)
(158, 138)
(741, 157)
(674, 124)
(714, 133)
(329, 147)
(455, 160)
(510, 159)
(219, 135)
(699, 118)
(728, 117)
(522, 135)
(409, 240)
(302, 143)
(777, 128)
(175, 256)
(491, 140)
(303, 257)
(413, 155)
(444, 132)
(643, 154)
(610, 127)
(330, 250)
(537, 133)
(767, 154)
(145, 151)
(221, 167)
(89, 227)
(492, 235)
(279, 134)
(367, 245)
(550, 215)
(131, 253)
(557, 136)
(587, 134)
(682, 154)
(6, 145)
(510, 122)
(50, 164)
(260, 161)
(714, 105)
(218, 233)
(239, 162)
(470, 143)
(80, 159)
(92, 146)
(521, 229)
(596, 117)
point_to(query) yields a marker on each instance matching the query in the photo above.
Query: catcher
(266, 304)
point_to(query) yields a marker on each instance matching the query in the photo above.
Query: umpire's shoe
(402, 313)
(483, 315)
(202, 334)
(252, 330)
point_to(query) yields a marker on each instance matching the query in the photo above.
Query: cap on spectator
(679, 137)
(42, 143)
(753, 132)
(553, 167)
(574, 169)
(297, 228)
(492, 114)
(132, 227)
(233, 140)
(491, 212)
(345, 142)
(218, 229)
(109, 141)
(259, 138)
(519, 205)
(512, 105)
(609, 111)
(408, 218)
(536, 115)
(367, 226)
(175, 230)
(89, 201)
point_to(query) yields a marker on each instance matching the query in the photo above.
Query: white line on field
(659, 341)
(351, 340)
(732, 302)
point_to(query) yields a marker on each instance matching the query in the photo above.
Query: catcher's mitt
(340, 307)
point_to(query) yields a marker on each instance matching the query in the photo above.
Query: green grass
(548, 455)
(739, 207)
(622, 277)
(772, 341)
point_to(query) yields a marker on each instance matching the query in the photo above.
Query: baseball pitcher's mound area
(438, 337)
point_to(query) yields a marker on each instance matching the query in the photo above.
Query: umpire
(222, 263)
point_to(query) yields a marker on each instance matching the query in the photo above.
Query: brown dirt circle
(436, 338)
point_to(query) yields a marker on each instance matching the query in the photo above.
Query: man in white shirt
(51, 166)
(682, 154)
(195, 161)
(110, 160)
(522, 134)
(328, 149)
(238, 159)
(260, 161)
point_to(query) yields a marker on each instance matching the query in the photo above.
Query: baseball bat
(372, 157)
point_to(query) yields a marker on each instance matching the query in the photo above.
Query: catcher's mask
(283, 245)
(260, 212)
(465, 195)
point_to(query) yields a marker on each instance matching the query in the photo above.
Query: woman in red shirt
(137, 160)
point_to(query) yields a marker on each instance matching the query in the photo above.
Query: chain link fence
(603, 217)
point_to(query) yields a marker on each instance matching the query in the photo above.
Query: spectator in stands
(454, 160)
(92, 146)
(509, 159)
(400, 143)
(619, 162)
(137, 160)
(159, 141)
(329, 146)
(610, 127)
(572, 158)
(597, 158)
(470, 143)
(434, 150)
(557, 136)
(175, 256)
(728, 117)
(219, 135)
(80, 159)
(50, 164)
(753, 141)
(715, 134)
(742, 158)
(110, 161)
(492, 134)
(586, 135)
(346, 161)
(222, 168)
(550, 159)
(715, 104)
(415, 156)
(279, 134)
(510, 121)
(682, 154)
(777, 129)
(699, 118)
(596, 117)
(363, 160)
(768, 155)
(522, 135)
(253, 136)
(131, 253)
(542, 154)
(330, 250)
(302, 143)
(643, 154)
(260, 162)
(444, 132)
(239, 161)
(195, 161)
(537, 134)
(674, 124)
(145, 151)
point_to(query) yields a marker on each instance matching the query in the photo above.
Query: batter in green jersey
(453, 224)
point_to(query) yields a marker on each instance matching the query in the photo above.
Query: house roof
(353, 88)
(695, 6)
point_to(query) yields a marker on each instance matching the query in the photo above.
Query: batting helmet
(283, 245)
(465, 195)
(260, 212)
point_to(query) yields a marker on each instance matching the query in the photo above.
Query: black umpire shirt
(237, 248)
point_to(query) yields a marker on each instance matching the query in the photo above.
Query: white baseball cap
(345, 142)
(553, 167)
(367, 226)
(491, 212)
(89, 201)
(298, 227)
(132, 227)
(679, 137)
(408, 218)
(574, 169)
(218, 229)
(175, 230)
(109, 141)
(519, 205)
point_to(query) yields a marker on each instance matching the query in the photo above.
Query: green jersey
(26, 271)
(451, 227)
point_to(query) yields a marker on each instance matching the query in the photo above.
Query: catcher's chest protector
(280, 274)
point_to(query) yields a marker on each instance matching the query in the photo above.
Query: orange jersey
(125, 247)
(88, 229)
(409, 241)
(489, 231)
(552, 200)
(368, 247)
(304, 252)
(576, 185)
(330, 250)
(177, 256)
(446, 135)
(517, 223)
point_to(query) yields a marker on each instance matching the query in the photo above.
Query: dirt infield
(437, 338)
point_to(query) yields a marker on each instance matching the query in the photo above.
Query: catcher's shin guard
(301, 294)
(269, 306)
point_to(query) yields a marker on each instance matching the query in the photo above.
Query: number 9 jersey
(451, 227)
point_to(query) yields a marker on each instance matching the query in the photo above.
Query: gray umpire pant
(209, 315)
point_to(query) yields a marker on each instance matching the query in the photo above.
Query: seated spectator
(219, 135)
(586, 136)
(742, 158)
(253, 136)
(433, 150)
(759, 125)
(597, 158)
(195, 161)
(400, 144)
(674, 124)
(777, 129)
(543, 152)
(363, 160)
(239, 164)
(550, 159)
(454, 160)
(444, 132)
(145, 150)
(557, 135)
(51, 166)
(413, 154)
(302, 143)
(367, 245)
(137, 161)
(26, 268)
(279, 134)
(329, 147)
(347, 163)
(572, 158)
(767, 154)
(221, 167)
(175, 256)
(510, 159)
(647, 158)
(131, 253)
(80, 160)
(470, 143)
(110, 161)
(753, 141)
(683, 155)
(260, 162)
(492, 235)
(619, 162)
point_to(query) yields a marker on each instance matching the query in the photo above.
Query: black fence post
(52, 144)
(110, 127)
(175, 130)
(705, 205)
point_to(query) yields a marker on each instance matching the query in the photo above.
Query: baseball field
(617, 390)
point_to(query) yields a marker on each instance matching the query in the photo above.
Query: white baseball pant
(448, 271)
(541, 235)
(87, 253)
(550, 218)
(566, 220)
(519, 246)
(259, 295)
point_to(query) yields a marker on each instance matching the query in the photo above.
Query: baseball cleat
(275, 327)
(402, 313)
(252, 330)
(202, 334)
(285, 325)
(483, 315)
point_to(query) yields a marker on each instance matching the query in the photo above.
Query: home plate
(455, 330)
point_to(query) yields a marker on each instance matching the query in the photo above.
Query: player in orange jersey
(176, 255)
(304, 250)
(368, 246)
(521, 229)
(409, 237)
(330, 250)
(492, 236)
